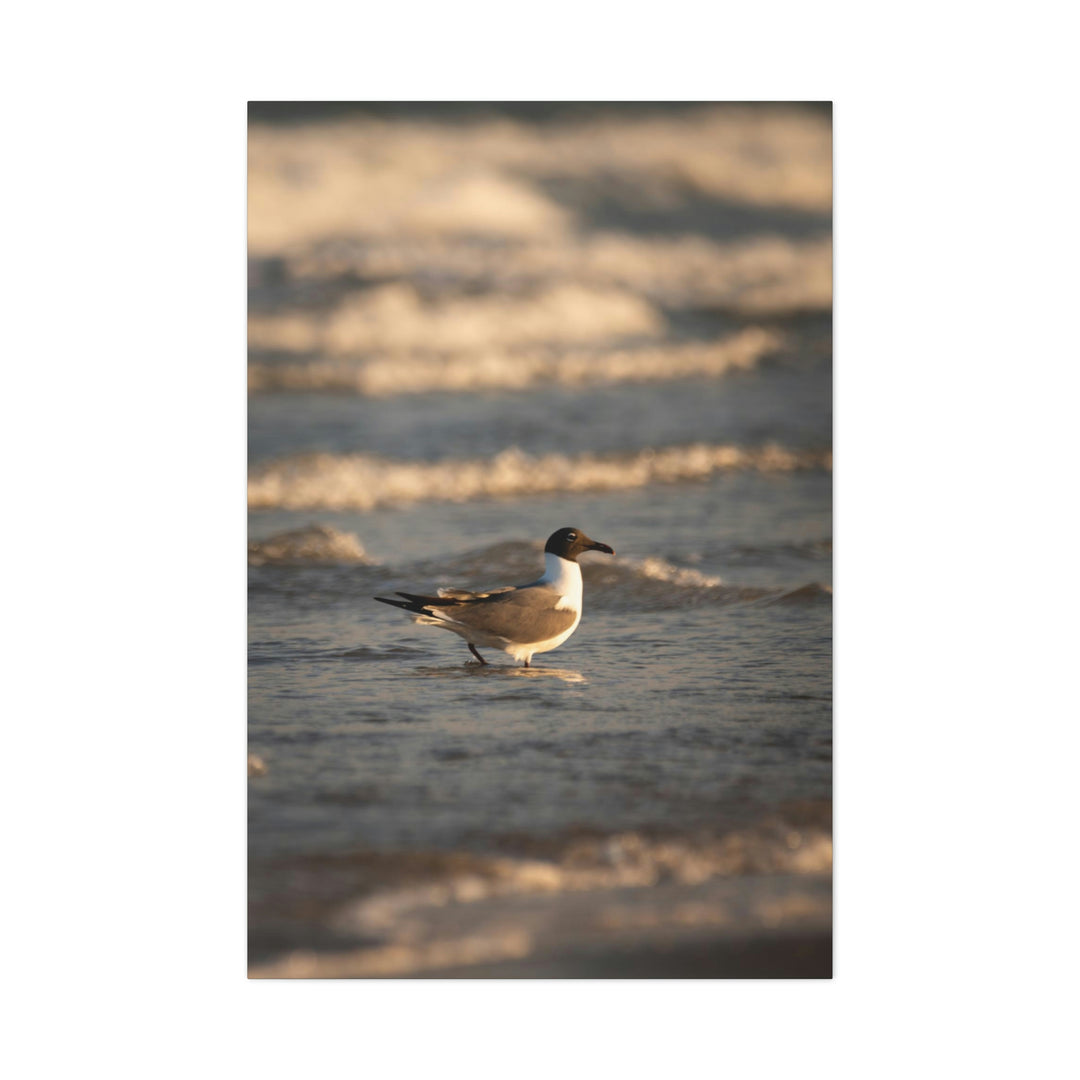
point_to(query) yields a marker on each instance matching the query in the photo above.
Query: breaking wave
(322, 544)
(763, 275)
(638, 583)
(383, 376)
(311, 545)
(395, 318)
(494, 177)
(475, 909)
(362, 481)
(656, 569)
(652, 583)
(626, 860)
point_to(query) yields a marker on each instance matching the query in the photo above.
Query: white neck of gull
(564, 576)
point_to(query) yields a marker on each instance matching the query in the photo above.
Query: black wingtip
(412, 604)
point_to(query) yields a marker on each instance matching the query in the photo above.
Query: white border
(956, 601)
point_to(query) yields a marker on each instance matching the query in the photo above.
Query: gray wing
(525, 614)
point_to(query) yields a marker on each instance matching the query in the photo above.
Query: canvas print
(540, 540)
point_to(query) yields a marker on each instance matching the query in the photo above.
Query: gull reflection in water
(499, 671)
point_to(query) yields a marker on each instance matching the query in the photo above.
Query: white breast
(564, 577)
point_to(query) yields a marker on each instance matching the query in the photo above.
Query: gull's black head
(569, 543)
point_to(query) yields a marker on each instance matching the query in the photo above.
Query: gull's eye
(571, 536)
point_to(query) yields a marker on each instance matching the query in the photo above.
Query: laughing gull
(519, 619)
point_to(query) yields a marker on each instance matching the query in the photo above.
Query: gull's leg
(527, 661)
(472, 649)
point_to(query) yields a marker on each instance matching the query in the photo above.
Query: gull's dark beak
(597, 546)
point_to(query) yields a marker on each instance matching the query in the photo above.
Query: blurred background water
(470, 325)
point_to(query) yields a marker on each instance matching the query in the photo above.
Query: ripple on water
(384, 652)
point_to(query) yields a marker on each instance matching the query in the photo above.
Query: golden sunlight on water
(470, 327)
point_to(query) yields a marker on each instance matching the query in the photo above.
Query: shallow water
(666, 773)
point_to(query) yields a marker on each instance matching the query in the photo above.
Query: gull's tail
(418, 605)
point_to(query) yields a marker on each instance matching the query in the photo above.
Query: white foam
(604, 891)
(661, 570)
(362, 482)
(760, 274)
(518, 369)
(312, 544)
(396, 319)
(624, 860)
(371, 177)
